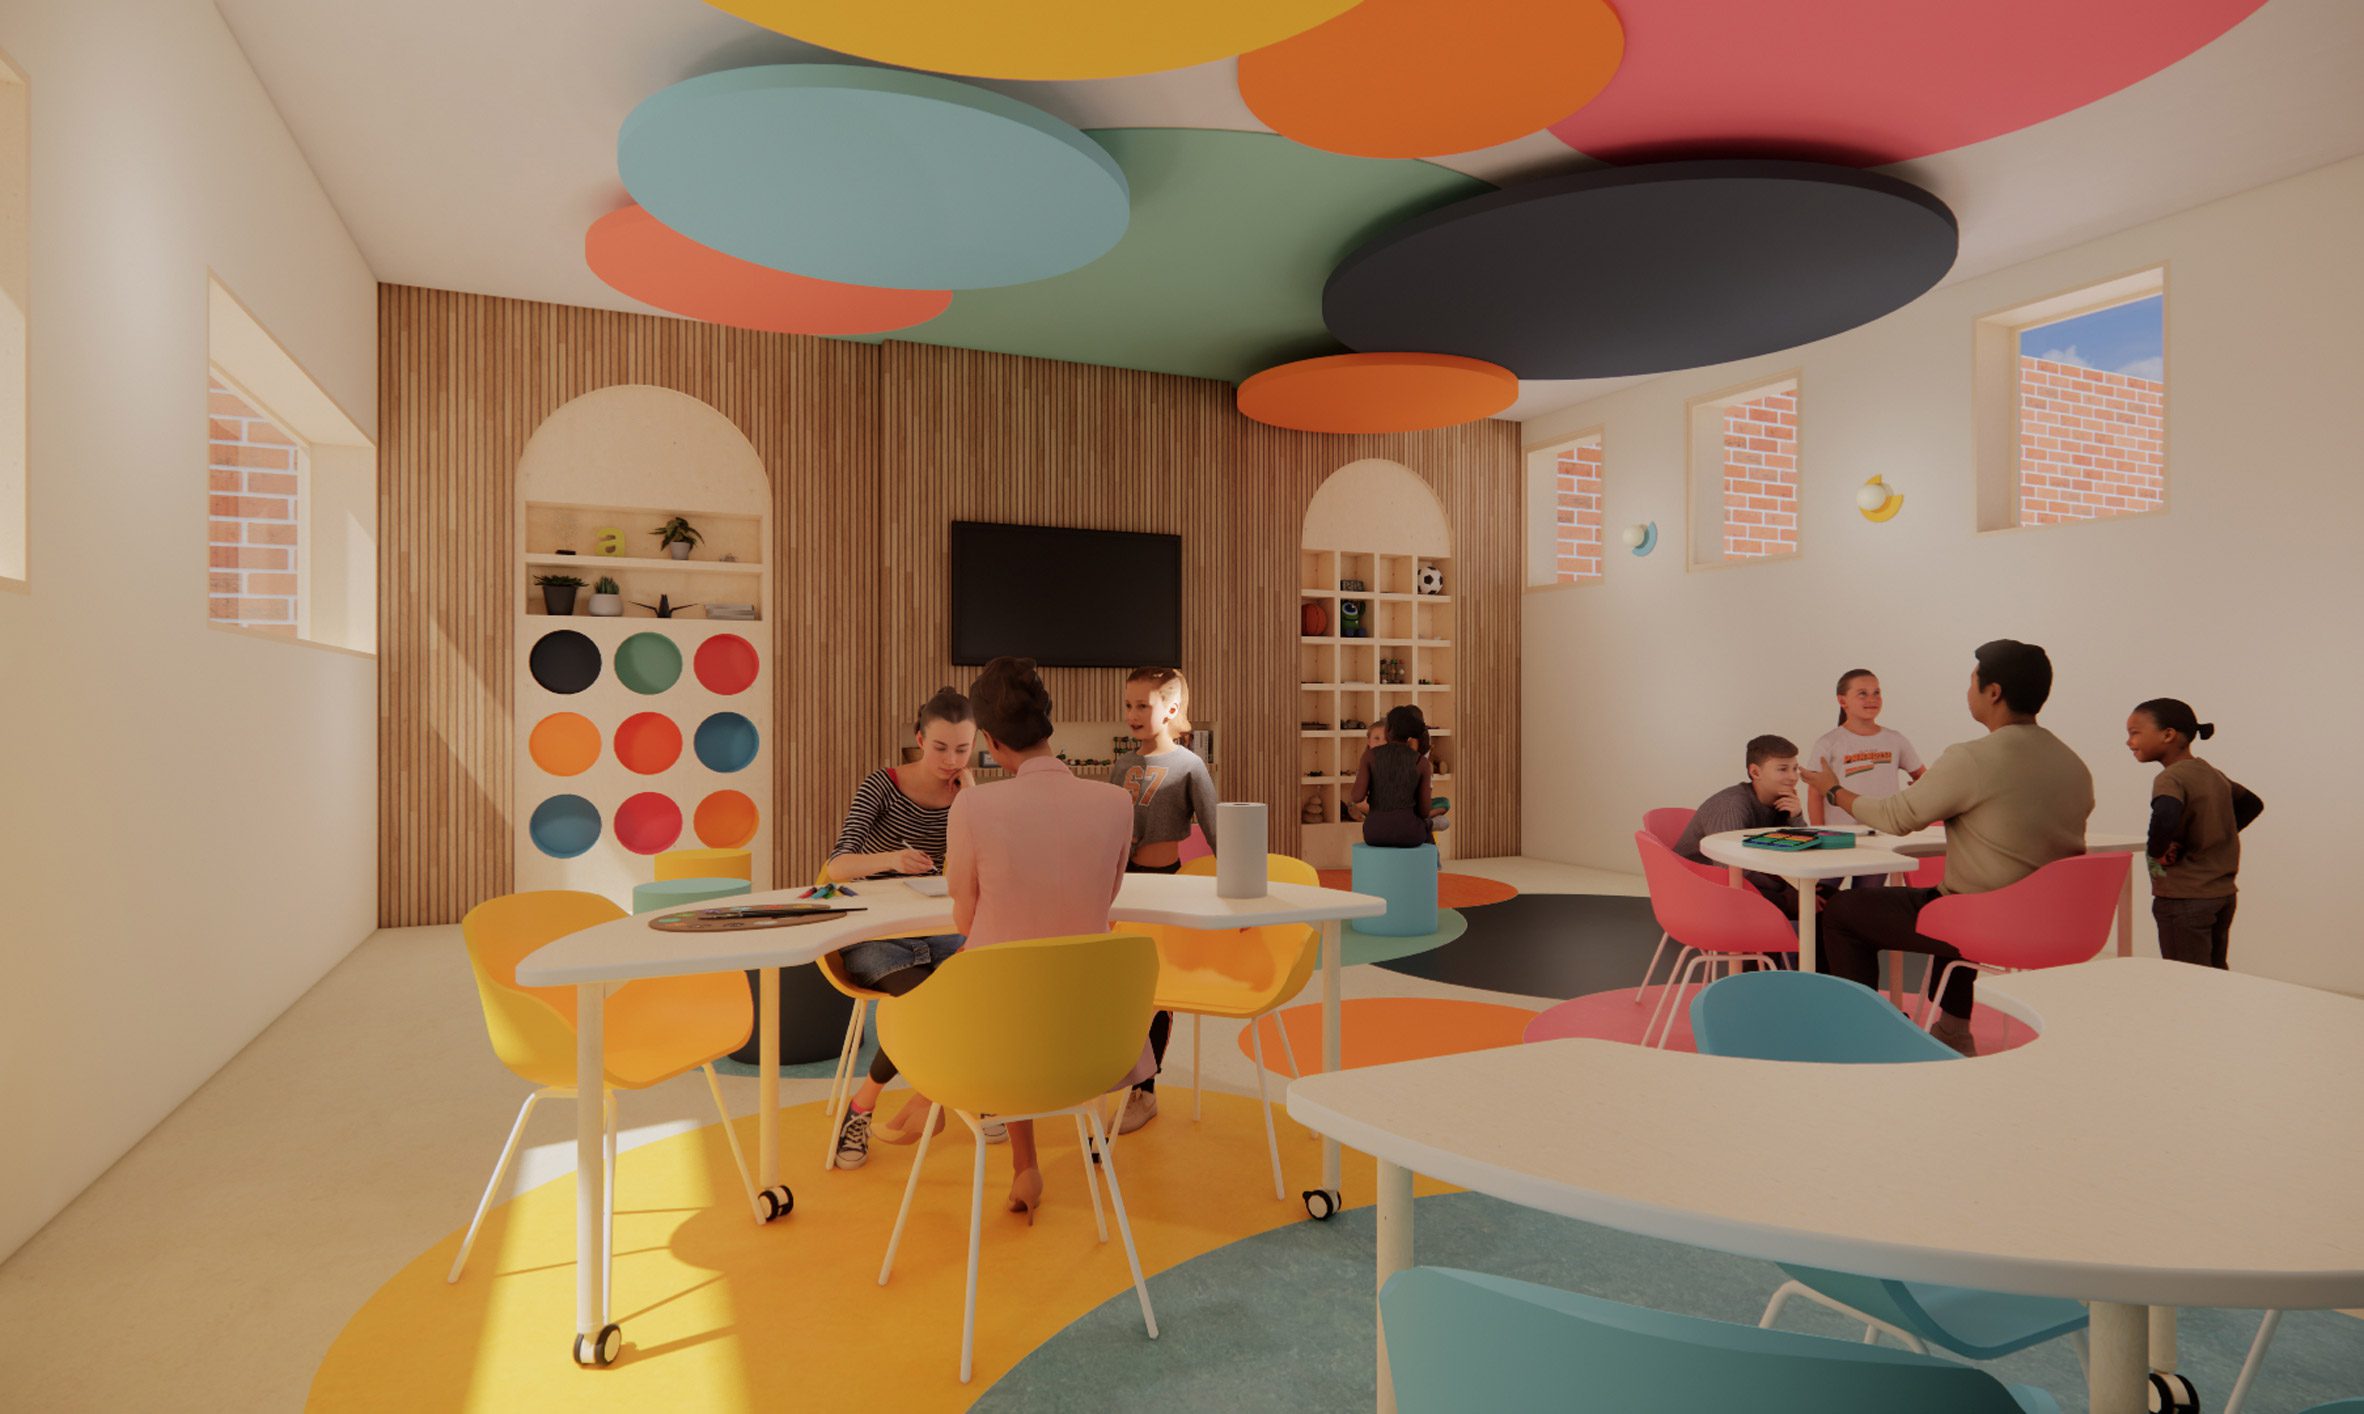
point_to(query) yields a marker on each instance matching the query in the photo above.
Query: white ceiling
(469, 143)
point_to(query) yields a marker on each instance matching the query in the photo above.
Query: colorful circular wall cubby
(638, 734)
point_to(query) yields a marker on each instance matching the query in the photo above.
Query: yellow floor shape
(720, 1314)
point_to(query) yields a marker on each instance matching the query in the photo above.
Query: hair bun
(2205, 731)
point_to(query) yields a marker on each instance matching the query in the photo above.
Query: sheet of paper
(928, 885)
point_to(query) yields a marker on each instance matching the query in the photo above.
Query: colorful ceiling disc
(1630, 270)
(1220, 274)
(872, 177)
(1037, 39)
(1411, 78)
(642, 257)
(1868, 82)
(1378, 392)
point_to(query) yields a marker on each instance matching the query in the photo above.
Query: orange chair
(655, 1029)
(1241, 974)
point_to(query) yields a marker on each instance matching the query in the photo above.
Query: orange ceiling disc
(1412, 78)
(1378, 392)
(651, 262)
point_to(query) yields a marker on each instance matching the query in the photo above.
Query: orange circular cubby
(726, 819)
(564, 744)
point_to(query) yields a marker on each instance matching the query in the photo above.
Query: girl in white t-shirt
(1868, 758)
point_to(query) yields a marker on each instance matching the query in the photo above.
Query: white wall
(187, 818)
(2241, 598)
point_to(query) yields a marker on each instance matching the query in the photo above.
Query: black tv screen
(1065, 598)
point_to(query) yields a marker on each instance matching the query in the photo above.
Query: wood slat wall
(873, 451)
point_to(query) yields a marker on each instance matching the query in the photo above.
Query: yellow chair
(1241, 974)
(705, 864)
(1025, 1030)
(654, 1029)
(841, 1089)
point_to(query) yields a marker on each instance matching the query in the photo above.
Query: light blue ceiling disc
(872, 177)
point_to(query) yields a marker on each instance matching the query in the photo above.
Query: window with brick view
(2092, 409)
(1576, 516)
(254, 480)
(1761, 476)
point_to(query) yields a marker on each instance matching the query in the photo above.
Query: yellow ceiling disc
(1038, 39)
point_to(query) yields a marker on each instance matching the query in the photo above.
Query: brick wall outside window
(2091, 443)
(1761, 477)
(1577, 531)
(252, 480)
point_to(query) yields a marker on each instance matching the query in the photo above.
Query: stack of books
(730, 611)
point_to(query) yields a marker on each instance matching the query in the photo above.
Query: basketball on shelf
(1313, 620)
(1432, 579)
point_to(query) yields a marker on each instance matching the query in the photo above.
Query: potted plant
(676, 536)
(558, 593)
(607, 598)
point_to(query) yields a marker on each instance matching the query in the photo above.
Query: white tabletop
(2175, 1136)
(1922, 843)
(630, 948)
(1861, 858)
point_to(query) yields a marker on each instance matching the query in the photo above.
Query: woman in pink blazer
(1040, 855)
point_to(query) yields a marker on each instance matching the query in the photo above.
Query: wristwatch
(1831, 796)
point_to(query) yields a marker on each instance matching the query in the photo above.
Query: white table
(1923, 843)
(1803, 868)
(627, 949)
(2175, 1136)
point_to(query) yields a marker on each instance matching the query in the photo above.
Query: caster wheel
(1320, 1204)
(2172, 1394)
(777, 1202)
(601, 1350)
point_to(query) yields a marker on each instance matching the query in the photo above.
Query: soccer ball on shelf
(1431, 580)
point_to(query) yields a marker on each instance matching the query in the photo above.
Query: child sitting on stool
(1393, 780)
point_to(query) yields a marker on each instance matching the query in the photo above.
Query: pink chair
(1666, 825)
(2059, 915)
(1717, 924)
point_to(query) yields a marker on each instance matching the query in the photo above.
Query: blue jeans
(874, 958)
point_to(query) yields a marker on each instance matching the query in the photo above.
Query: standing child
(2197, 815)
(1868, 759)
(1170, 788)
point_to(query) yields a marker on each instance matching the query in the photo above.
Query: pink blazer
(1040, 855)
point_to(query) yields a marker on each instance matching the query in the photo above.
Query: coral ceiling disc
(1378, 392)
(640, 256)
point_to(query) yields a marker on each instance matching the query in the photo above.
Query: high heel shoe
(906, 1129)
(1026, 1193)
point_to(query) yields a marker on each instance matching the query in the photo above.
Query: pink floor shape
(1615, 1016)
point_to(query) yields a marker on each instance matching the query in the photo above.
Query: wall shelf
(1337, 679)
(667, 564)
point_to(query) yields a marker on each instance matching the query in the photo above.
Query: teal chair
(1806, 1016)
(2337, 1406)
(1406, 878)
(1463, 1340)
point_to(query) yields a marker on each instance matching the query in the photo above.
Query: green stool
(681, 893)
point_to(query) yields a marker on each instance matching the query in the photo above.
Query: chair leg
(1930, 1011)
(968, 1313)
(1083, 1149)
(1271, 1137)
(1198, 1079)
(1116, 1200)
(919, 1160)
(1650, 967)
(2257, 1350)
(730, 1133)
(499, 1174)
(841, 1092)
(1781, 1296)
(1872, 1324)
(1698, 966)
(1683, 954)
(1288, 1048)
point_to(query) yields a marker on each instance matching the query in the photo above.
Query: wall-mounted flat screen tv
(1065, 598)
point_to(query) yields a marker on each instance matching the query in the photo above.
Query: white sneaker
(1140, 1109)
(853, 1140)
(994, 1130)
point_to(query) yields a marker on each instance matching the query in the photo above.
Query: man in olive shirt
(2012, 802)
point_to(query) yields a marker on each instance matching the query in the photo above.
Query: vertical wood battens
(872, 451)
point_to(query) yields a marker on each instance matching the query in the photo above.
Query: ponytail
(1169, 686)
(1409, 726)
(1841, 690)
(2171, 714)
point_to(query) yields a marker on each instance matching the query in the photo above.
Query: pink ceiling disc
(651, 262)
(1868, 82)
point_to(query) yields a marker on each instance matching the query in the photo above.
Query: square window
(1744, 473)
(1564, 513)
(2071, 406)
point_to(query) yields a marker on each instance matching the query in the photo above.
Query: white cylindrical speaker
(1242, 834)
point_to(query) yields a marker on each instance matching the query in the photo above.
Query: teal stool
(1406, 878)
(681, 893)
(1464, 1340)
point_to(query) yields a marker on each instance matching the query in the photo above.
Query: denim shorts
(873, 958)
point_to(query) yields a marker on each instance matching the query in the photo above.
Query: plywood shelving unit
(1339, 678)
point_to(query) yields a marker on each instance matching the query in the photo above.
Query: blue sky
(2127, 338)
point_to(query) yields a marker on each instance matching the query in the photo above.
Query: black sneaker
(853, 1140)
